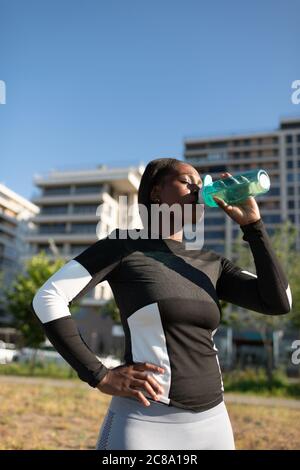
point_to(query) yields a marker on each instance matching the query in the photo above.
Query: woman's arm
(51, 304)
(268, 290)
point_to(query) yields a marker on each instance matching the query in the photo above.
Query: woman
(168, 394)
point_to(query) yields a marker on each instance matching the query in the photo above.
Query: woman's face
(181, 187)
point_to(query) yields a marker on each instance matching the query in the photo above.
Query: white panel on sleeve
(289, 295)
(52, 299)
(250, 274)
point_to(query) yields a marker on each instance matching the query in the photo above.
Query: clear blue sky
(121, 81)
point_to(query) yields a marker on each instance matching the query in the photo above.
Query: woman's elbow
(287, 301)
(282, 305)
(281, 308)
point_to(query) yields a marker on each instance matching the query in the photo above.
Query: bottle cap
(207, 180)
(264, 180)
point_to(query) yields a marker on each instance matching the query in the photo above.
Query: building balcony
(225, 160)
(68, 198)
(65, 218)
(231, 148)
(125, 180)
(63, 237)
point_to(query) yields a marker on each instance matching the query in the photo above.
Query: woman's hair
(154, 174)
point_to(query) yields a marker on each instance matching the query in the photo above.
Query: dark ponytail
(154, 174)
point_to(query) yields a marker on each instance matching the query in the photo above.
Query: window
(214, 234)
(290, 191)
(290, 163)
(298, 137)
(213, 221)
(275, 191)
(87, 189)
(55, 210)
(217, 145)
(275, 178)
(289, 139)
(83, 228)
(291, 204)
(289, 151)
(52, 228)
(270, 204)
(290, 177)
(214, 157)
(85, 208)
(57, 191)
(271, 218)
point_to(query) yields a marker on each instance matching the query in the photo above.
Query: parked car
(8, 352)
(45, 354)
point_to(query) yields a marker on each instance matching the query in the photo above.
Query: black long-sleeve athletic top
(168, 297)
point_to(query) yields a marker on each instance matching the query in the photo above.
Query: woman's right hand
(125, 380)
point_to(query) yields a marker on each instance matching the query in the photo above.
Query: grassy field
(45, 416)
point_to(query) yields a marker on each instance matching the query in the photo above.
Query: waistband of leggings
(132, 408)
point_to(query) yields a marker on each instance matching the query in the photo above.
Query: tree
(19, 296)
(111, 310)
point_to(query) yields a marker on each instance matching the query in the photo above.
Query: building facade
(277, 152)
(15, 225)
(76, 209)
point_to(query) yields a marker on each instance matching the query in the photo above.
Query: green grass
(41, 370)
(256, 382)
(249, 381)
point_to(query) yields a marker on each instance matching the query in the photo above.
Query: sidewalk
(235, 398)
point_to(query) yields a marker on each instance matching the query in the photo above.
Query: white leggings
(129, 425)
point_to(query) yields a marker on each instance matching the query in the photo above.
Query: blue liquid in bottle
(234, 189)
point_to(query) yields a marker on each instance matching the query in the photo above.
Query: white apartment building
(277, 152)
(15, 215)
(79, 207)
(76, 209)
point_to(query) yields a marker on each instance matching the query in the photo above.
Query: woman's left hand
(244, 213)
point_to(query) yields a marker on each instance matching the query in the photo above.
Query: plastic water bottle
(234, 189)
